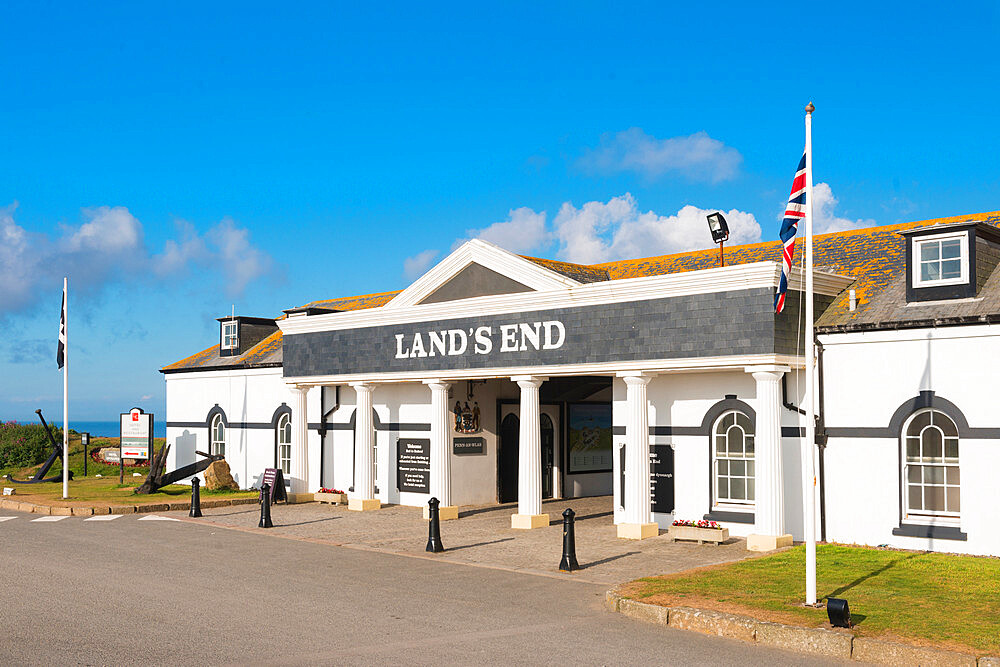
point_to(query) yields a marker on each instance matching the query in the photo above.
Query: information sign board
(465, 446)
(413, 465)
(274, 478)
(136, 434)
(661, 478)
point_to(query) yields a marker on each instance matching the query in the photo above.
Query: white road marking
(49, 518)
(153, 517)
(7, 518)
(105, 517)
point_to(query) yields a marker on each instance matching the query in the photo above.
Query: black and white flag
(61, 350)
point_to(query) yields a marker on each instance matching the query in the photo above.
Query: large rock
(217, 476)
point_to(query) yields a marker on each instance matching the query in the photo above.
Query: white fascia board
(195, 374)
(724, 279)
(652, 366)
(904, 335)
(492, 257)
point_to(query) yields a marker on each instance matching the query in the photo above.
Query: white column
(638, 522)
(364, 443)
(529, 467)
(440, 450)
(769, 523)
(300, 440)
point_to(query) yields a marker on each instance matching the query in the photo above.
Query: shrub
(23, 445)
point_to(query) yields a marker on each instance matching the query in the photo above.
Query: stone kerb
(817, 641)
(90, 510)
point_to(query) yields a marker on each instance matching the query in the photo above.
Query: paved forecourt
(175, 592)
(483, 536)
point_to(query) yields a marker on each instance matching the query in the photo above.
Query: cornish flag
(795, 210)
(61, 350)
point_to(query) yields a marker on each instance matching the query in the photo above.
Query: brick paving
(482, 536)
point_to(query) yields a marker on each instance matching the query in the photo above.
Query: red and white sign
(136, 434)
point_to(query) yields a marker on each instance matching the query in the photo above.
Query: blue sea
(110, 429)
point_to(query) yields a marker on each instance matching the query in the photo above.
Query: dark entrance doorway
(509, 454)
(510, 429)
(548, 454)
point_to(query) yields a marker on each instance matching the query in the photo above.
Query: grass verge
(931, 599)
(105, 489)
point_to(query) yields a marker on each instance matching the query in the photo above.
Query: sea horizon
(101, 429)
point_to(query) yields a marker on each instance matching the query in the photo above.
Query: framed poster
(590, 448)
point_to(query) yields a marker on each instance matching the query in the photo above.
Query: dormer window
(941, 259)
(230, 335)
(949, 261)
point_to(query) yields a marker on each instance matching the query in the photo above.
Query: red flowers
(698, 524)
(323, 489)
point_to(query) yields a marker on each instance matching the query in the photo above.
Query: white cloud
(825, 219)
(600, 232)
(110, 245)
(241, 261)
(414, 267)
(697, 156)
(523, 230)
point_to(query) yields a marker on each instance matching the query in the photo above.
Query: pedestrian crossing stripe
(49, 518)
(105, 517)
(153, 517)
(6, 518)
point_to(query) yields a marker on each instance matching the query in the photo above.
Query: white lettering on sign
(518, 337)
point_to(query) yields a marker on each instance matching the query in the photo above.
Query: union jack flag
(795, 210)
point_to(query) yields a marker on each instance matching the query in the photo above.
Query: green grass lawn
(106, 488)
(938, 599)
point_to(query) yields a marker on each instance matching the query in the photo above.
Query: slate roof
(875, 257)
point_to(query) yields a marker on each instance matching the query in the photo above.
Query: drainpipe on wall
(322, 425)
(821, 440)
(821, 436)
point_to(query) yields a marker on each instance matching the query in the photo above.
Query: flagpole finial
(810, 108)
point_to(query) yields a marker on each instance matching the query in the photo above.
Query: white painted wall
(245, 396)
(867, 377)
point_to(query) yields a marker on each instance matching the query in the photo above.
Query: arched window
(218, 435)
(930, 466)
(733, 459)
(284, 436)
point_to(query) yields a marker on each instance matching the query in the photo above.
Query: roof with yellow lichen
(875, 257)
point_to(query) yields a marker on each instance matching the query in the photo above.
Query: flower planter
(701, 535)
(331, 498)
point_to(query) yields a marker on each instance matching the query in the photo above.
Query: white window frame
(922, 516)
(919, 241)
(728, 503)
(230, 335)
(284, 442)
(216, 445)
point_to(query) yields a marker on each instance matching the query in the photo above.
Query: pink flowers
(698, 524)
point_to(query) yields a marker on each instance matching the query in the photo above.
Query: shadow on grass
(479, 544)
(839, 592)
(609, 559)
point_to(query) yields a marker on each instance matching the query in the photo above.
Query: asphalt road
(157, 592)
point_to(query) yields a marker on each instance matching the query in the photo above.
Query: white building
(666, 383)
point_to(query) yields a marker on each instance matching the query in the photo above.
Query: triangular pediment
(478, 269)
(472, 281)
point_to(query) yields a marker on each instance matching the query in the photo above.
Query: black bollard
(195, 497)
(568, 562)
(434, 527)
(265, 506)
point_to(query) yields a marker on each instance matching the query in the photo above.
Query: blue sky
(175, 159)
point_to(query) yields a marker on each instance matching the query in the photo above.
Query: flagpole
(808, 463)
(65, 461)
